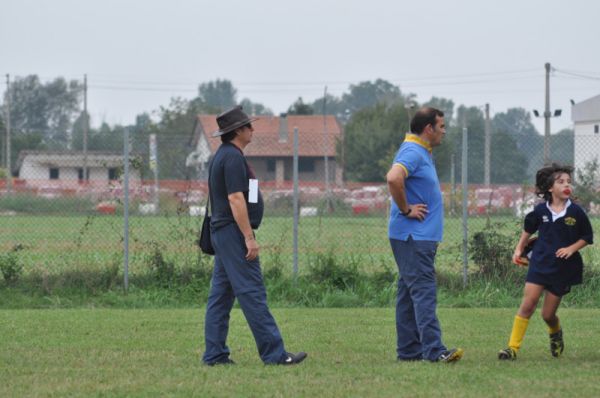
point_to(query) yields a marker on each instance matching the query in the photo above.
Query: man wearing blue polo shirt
(415, 229)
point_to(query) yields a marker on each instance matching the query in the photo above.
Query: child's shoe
(507, 354)
(557, 345)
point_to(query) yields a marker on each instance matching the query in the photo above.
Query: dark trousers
(235, 277)
(417, 326)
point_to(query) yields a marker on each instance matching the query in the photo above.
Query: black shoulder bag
(204, 240)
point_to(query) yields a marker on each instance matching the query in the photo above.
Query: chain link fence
(64, 211)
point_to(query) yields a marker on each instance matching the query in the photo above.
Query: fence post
(126, 209)
(7, 124)
(154, 168)
(465, 202)
(296, 200)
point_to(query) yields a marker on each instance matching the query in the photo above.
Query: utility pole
(8, 165)
(486, 156)
(85, 130)
(326, 150)
(547, 116)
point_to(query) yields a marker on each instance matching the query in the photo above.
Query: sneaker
(507, 354)
(452, 355)
(293, 359)
(225, 361)
(557, 345)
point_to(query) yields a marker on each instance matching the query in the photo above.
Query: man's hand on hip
(418, 211)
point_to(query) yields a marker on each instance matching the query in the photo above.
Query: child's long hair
(545, 177)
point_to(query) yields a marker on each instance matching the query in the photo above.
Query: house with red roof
(272, 148)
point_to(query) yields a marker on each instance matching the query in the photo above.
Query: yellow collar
(410, 137)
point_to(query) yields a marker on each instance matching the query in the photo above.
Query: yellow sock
(554, 329)
(518, 332)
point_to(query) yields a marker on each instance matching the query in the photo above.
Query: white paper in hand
(253, 190)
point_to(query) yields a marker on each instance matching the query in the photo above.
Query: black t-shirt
(229, 173)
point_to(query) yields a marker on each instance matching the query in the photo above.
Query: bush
(163, 270)
(324, 268)
(10, 266)
(492, 251)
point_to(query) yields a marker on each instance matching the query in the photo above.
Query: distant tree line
(375, 115)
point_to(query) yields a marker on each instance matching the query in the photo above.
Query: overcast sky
(138, 54)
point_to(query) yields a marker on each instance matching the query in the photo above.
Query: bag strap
(206, 210)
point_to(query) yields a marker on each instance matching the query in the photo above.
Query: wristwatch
(407, 213)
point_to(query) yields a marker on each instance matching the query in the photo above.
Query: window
(54, 173)
(596, 128)
(271, 165)
(306, 165)
(80, 174)
(112, 173)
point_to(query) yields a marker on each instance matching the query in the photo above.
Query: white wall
(31, 170)
(587, 143)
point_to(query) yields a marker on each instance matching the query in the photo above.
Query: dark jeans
(235, 277)
(417, 326)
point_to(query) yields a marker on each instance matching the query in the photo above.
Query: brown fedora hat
(231, 119)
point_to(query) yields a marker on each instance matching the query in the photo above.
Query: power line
(578, 75)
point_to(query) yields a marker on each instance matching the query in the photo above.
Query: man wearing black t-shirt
(237, 210)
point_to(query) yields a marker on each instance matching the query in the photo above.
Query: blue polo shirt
(422, 186)
(229, 173)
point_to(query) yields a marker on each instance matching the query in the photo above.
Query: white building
(586, 120)
(67, 167)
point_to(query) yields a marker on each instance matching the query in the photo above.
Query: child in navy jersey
(555, 265)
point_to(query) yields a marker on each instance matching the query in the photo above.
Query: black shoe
(293, 359)
(225, 361)
(507, 354)
(452, 355)
(557, 344)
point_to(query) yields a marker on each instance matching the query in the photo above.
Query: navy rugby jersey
(553, 235)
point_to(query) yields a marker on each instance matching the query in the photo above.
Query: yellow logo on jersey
(570, 221)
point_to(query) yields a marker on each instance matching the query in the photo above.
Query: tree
(300, 108)
(47, 109)
(367, 94)
(331, 104)
(507, 163)
(219, 94)
(373, 133)
(562, 147)
(516, 122)
(254, 108)
(472, 118)
(172, 136)
(360, 96)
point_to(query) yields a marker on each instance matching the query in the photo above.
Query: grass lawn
(106, 352)
(55, 244)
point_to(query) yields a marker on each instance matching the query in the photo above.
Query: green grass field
(102, 352)
(55, 243)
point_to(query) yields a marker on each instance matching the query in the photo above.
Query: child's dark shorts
(556, 287)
